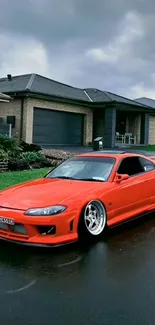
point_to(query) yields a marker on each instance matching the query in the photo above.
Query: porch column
(145, 128)
(109, 127)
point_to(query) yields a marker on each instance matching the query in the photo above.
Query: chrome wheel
(95, 217)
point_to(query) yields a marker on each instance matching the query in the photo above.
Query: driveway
(110, 282)
(90, 149)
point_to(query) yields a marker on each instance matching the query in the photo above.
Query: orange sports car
(82, 196)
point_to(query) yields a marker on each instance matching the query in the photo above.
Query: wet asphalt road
(109, 282)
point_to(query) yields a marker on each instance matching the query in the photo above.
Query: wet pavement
(109, 282)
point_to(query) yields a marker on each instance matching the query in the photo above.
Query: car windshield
(84, 168)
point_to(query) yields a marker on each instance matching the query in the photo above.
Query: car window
(147, 165)
(82, 168)
(130, 166)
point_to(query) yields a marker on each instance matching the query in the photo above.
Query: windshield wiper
(63, 177)
(78, 179)
(91, 179)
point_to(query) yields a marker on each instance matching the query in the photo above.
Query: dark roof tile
(54, 88)
(146, 101)
(38, 84)
(41, 85)
(18, 83)
(124, 100)
(97, 95)
(105, 96)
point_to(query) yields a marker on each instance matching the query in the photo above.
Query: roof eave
(114, 103)
(4, 100)
(143, 107)
(119, 105)
(4, 96)
(52, 98)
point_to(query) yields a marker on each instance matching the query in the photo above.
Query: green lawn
(145, 148)
(12, 178)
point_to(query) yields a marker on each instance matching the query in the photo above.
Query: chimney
(9, 76)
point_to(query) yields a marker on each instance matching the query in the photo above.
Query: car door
(132, 196)
(149, 168)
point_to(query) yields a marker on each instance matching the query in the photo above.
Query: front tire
(93, 220)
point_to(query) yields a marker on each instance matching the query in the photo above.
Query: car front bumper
(39, 231)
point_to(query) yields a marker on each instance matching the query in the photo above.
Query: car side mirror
(121, 177)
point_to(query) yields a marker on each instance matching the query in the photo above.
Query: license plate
(7, 221)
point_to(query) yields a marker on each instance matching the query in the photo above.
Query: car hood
(46, 192)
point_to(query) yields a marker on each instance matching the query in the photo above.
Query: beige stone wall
(137, 128)
(152, 129)
(28, 116)
(12, 108)
(133, 125)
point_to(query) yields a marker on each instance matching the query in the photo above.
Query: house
(151, 103)
(5, 129)
(47, 112)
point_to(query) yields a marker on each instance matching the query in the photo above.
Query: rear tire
(93, 221)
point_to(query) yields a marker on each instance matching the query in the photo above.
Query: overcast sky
(104, 44)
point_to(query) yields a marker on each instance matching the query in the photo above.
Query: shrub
(21, 157)
(17, 163)
(7, 144)
(27, 160)
(36, 158)
(10, 146)
(26, 147)
(3, 160)
(33, 156)
(3, 156)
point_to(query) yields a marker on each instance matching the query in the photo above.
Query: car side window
(147, 165)
(130, 166)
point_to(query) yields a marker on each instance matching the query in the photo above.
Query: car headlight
(47, 211)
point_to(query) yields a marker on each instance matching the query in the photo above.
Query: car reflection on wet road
(110, 282)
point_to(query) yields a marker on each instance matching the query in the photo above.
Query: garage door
(57, 128)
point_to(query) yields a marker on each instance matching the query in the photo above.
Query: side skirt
(135, 218)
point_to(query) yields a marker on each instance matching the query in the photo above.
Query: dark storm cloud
(60, 20)
(70, 31)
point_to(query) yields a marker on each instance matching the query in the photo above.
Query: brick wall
(137, 128)
(28, 116)
(12, 108)
(152, 129)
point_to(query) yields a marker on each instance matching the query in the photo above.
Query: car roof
(110, 153)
